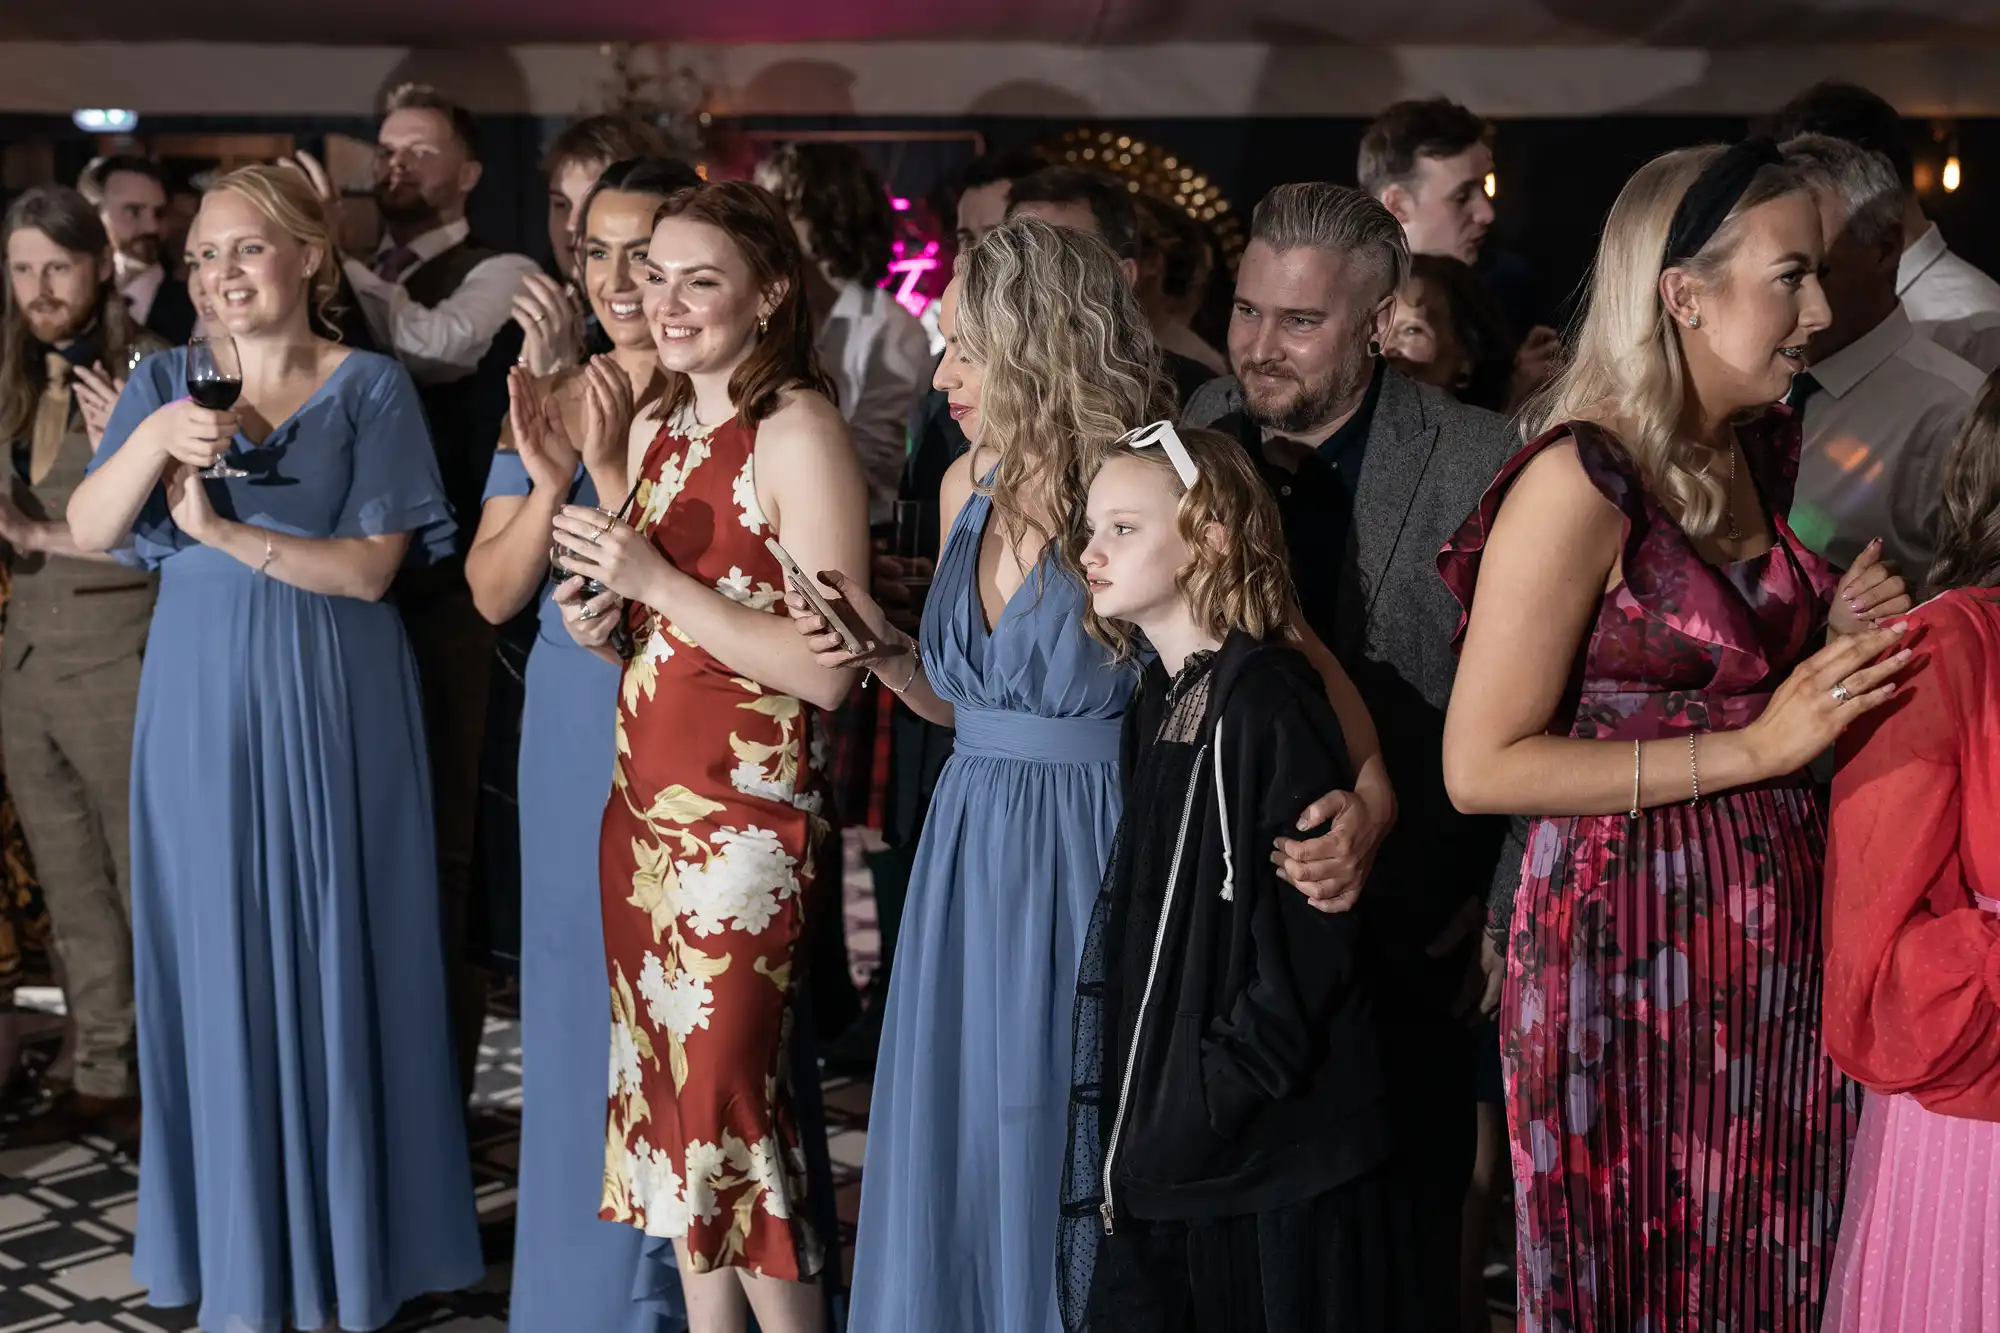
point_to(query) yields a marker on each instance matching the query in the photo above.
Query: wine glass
(591, 587)
(214, 379)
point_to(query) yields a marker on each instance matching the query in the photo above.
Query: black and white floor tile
(67, 1213)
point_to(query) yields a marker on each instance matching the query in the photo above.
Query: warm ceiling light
(1492, 186)
(1951, 174)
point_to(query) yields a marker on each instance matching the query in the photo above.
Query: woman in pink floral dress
(1639, 670)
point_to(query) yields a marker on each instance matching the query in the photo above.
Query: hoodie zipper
(1105, 1209)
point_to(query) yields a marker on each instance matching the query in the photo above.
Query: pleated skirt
(1679, 1138)
(1920, 1240)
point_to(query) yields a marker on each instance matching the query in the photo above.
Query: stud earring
(763, 325)
(1694, 321)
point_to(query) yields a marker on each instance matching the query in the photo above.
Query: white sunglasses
(1163, 434)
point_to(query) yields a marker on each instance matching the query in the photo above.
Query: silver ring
(588, 613)
(1840, 693)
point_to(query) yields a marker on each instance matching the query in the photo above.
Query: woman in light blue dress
(1047, 356)
(303, 1152)
(572, 1271)
(1048, 361)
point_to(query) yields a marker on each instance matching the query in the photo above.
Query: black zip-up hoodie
(1252, 1078)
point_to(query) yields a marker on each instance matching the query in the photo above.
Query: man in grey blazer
(1372, 473)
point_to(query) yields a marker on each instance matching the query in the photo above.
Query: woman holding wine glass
(304, 1144)
(566, 444)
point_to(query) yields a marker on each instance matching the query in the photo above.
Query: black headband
(1706, 205)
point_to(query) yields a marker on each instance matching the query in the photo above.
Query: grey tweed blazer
(1428, 461)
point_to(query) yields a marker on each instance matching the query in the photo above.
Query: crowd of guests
(1310, 804)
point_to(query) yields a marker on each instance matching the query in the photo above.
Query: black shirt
(1316, 503)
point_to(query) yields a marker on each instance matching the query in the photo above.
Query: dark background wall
(1557, 177)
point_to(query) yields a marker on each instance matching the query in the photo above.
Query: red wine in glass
(215, 380)
(215, 395)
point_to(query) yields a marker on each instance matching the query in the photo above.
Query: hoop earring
(763, 325)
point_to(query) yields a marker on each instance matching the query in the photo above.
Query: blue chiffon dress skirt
(303, 1148)
(572, 1271)
(969, 1124)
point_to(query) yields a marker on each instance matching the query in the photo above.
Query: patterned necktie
(394, 262)
(51, 420)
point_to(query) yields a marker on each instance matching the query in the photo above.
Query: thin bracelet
(1635, 781)
(270, 554)
(916, 665)
(1694, 771)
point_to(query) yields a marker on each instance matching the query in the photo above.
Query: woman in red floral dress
(709, 833)
(1639, 671)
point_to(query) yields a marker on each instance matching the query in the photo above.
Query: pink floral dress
(1679, 1137)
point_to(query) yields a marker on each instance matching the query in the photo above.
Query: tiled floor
(67, 1213)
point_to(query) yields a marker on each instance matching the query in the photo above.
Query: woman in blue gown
(1048, 361)
(303, 1153)
(566, 444)
(1047, 356)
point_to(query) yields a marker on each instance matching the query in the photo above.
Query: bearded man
(76, 625)
(1372, 472)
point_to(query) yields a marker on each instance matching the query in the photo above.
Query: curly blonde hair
(1241, 582)
(1069, 367)
(286, 197)
(1626, 371)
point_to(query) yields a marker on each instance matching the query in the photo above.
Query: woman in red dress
(1639, 672)
(707, 854)
(1913, 944)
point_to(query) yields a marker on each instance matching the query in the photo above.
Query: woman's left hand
(613, 553)
(1869, 593)
(1331, 868)
(187, 500)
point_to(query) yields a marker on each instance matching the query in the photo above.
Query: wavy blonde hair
(1069, 367)
(286, 197)
(1626, 371)
(1243, 582)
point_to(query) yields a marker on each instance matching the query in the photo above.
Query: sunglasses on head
(1163, 434)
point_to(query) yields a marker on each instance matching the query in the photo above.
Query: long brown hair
(1243, 582)
(785, 357)
(69, 220)
(1070, 366)
(1968, 524)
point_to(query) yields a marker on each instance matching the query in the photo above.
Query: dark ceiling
(1697, 23)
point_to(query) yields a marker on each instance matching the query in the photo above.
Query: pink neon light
(900, 205)
(913, 270)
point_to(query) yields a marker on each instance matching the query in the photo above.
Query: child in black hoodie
(1227, 1117)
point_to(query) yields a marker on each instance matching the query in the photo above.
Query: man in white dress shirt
(426, 167)
(443, 304)
(1881, 402)
(1949, 301)
(878, 353)
(130, 195)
